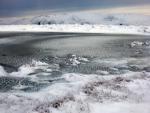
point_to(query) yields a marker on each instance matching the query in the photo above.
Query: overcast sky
(16, 7)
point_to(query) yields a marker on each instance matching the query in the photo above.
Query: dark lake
(69, 53)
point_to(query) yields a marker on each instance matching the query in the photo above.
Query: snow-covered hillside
(79, 18)
(79, 23)
(84, 18)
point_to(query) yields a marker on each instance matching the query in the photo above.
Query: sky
(139, 9)
(17, 7)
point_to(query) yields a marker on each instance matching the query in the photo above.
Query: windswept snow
(76, 28)
(79, 22)
(127, 92)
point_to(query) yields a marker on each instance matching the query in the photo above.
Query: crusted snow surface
(2, 71)
(126, 92)
(26, 69)
(78, 28)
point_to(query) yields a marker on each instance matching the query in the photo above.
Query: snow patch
(25, 70)
(3, 72)
(76, 28)
(83, 93)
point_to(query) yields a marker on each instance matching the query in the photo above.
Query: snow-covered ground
(115, 85)
(127, 92)
(77, 28)
(78, 22)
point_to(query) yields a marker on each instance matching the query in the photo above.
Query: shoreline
(77, 29)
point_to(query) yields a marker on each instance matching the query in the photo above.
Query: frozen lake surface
(74, 73)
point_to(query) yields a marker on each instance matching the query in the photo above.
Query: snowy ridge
(77, 28)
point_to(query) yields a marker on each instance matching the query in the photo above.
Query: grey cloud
(13, 7)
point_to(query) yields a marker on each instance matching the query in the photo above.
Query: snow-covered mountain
(80, 18)
(84, 18)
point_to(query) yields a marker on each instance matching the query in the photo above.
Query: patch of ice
(6, 40)
(100, 72)
(83, 59)
(136, 44)
(25, 70)
(112, 62)
(74, 60)
(3, 72)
